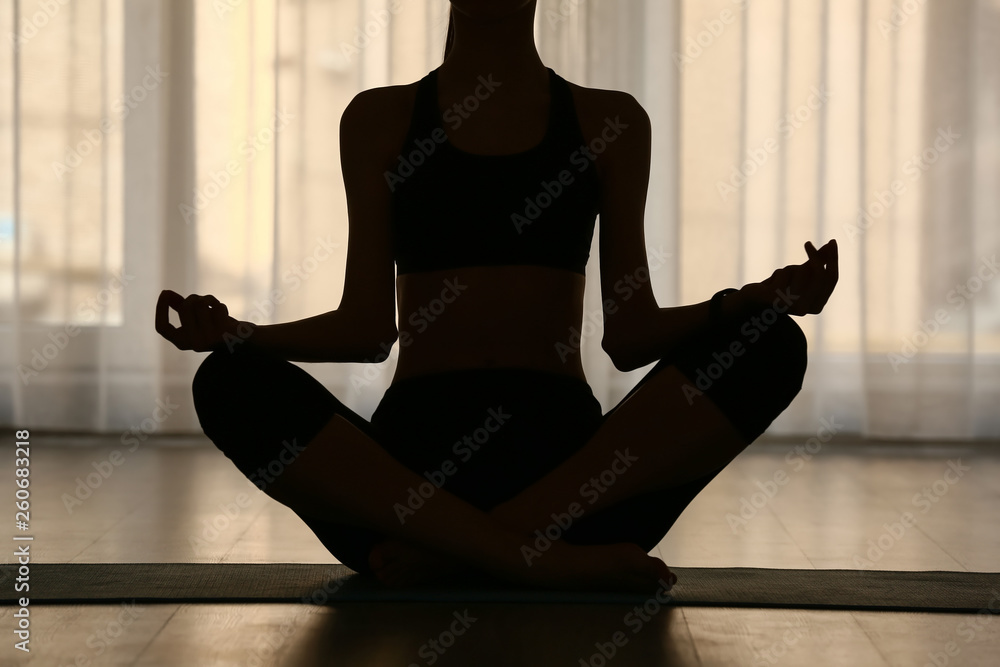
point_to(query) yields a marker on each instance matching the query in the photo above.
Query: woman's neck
(501, 47)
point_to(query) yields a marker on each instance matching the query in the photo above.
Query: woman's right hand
(205, 321)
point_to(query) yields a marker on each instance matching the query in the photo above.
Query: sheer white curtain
(194, 146)
(875, 122)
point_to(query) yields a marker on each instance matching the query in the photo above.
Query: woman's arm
(333, 337)
(663, 329)
(364, 324)
(637, 331)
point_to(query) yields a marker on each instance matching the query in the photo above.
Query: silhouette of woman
(488, 453)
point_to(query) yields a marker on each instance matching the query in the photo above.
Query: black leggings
(486, 434)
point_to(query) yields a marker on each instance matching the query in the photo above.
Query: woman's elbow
(622, 355)
(378, 343)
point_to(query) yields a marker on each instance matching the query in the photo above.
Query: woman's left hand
(803, 288)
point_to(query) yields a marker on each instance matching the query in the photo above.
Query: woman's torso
(514, 316)
(488, 317)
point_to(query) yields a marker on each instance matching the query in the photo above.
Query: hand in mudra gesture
(807, 286)
(205, 321)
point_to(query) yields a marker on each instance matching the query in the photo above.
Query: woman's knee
(765, 372)
(786, 352)
(238, 398)
(213, 375)
(223, 383)
(257, 407)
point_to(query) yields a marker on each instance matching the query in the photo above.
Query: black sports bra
(455, 209)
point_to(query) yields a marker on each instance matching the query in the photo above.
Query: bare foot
(610, 567)
(398, 563)
(614, 567)
(622, 566)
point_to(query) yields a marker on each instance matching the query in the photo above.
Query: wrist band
(715, 305)
(239, 338)
(245, 335)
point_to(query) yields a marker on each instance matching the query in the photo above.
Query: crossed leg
(682, 436)
(626, 484)
(344, 485)
(685, 421)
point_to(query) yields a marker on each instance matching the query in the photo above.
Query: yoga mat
(75, 583)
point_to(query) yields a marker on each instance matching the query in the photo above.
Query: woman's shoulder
(598, 95)
(381, 113)
(375, 104)
(597, 109)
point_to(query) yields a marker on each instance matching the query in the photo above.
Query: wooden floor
(824, 512)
